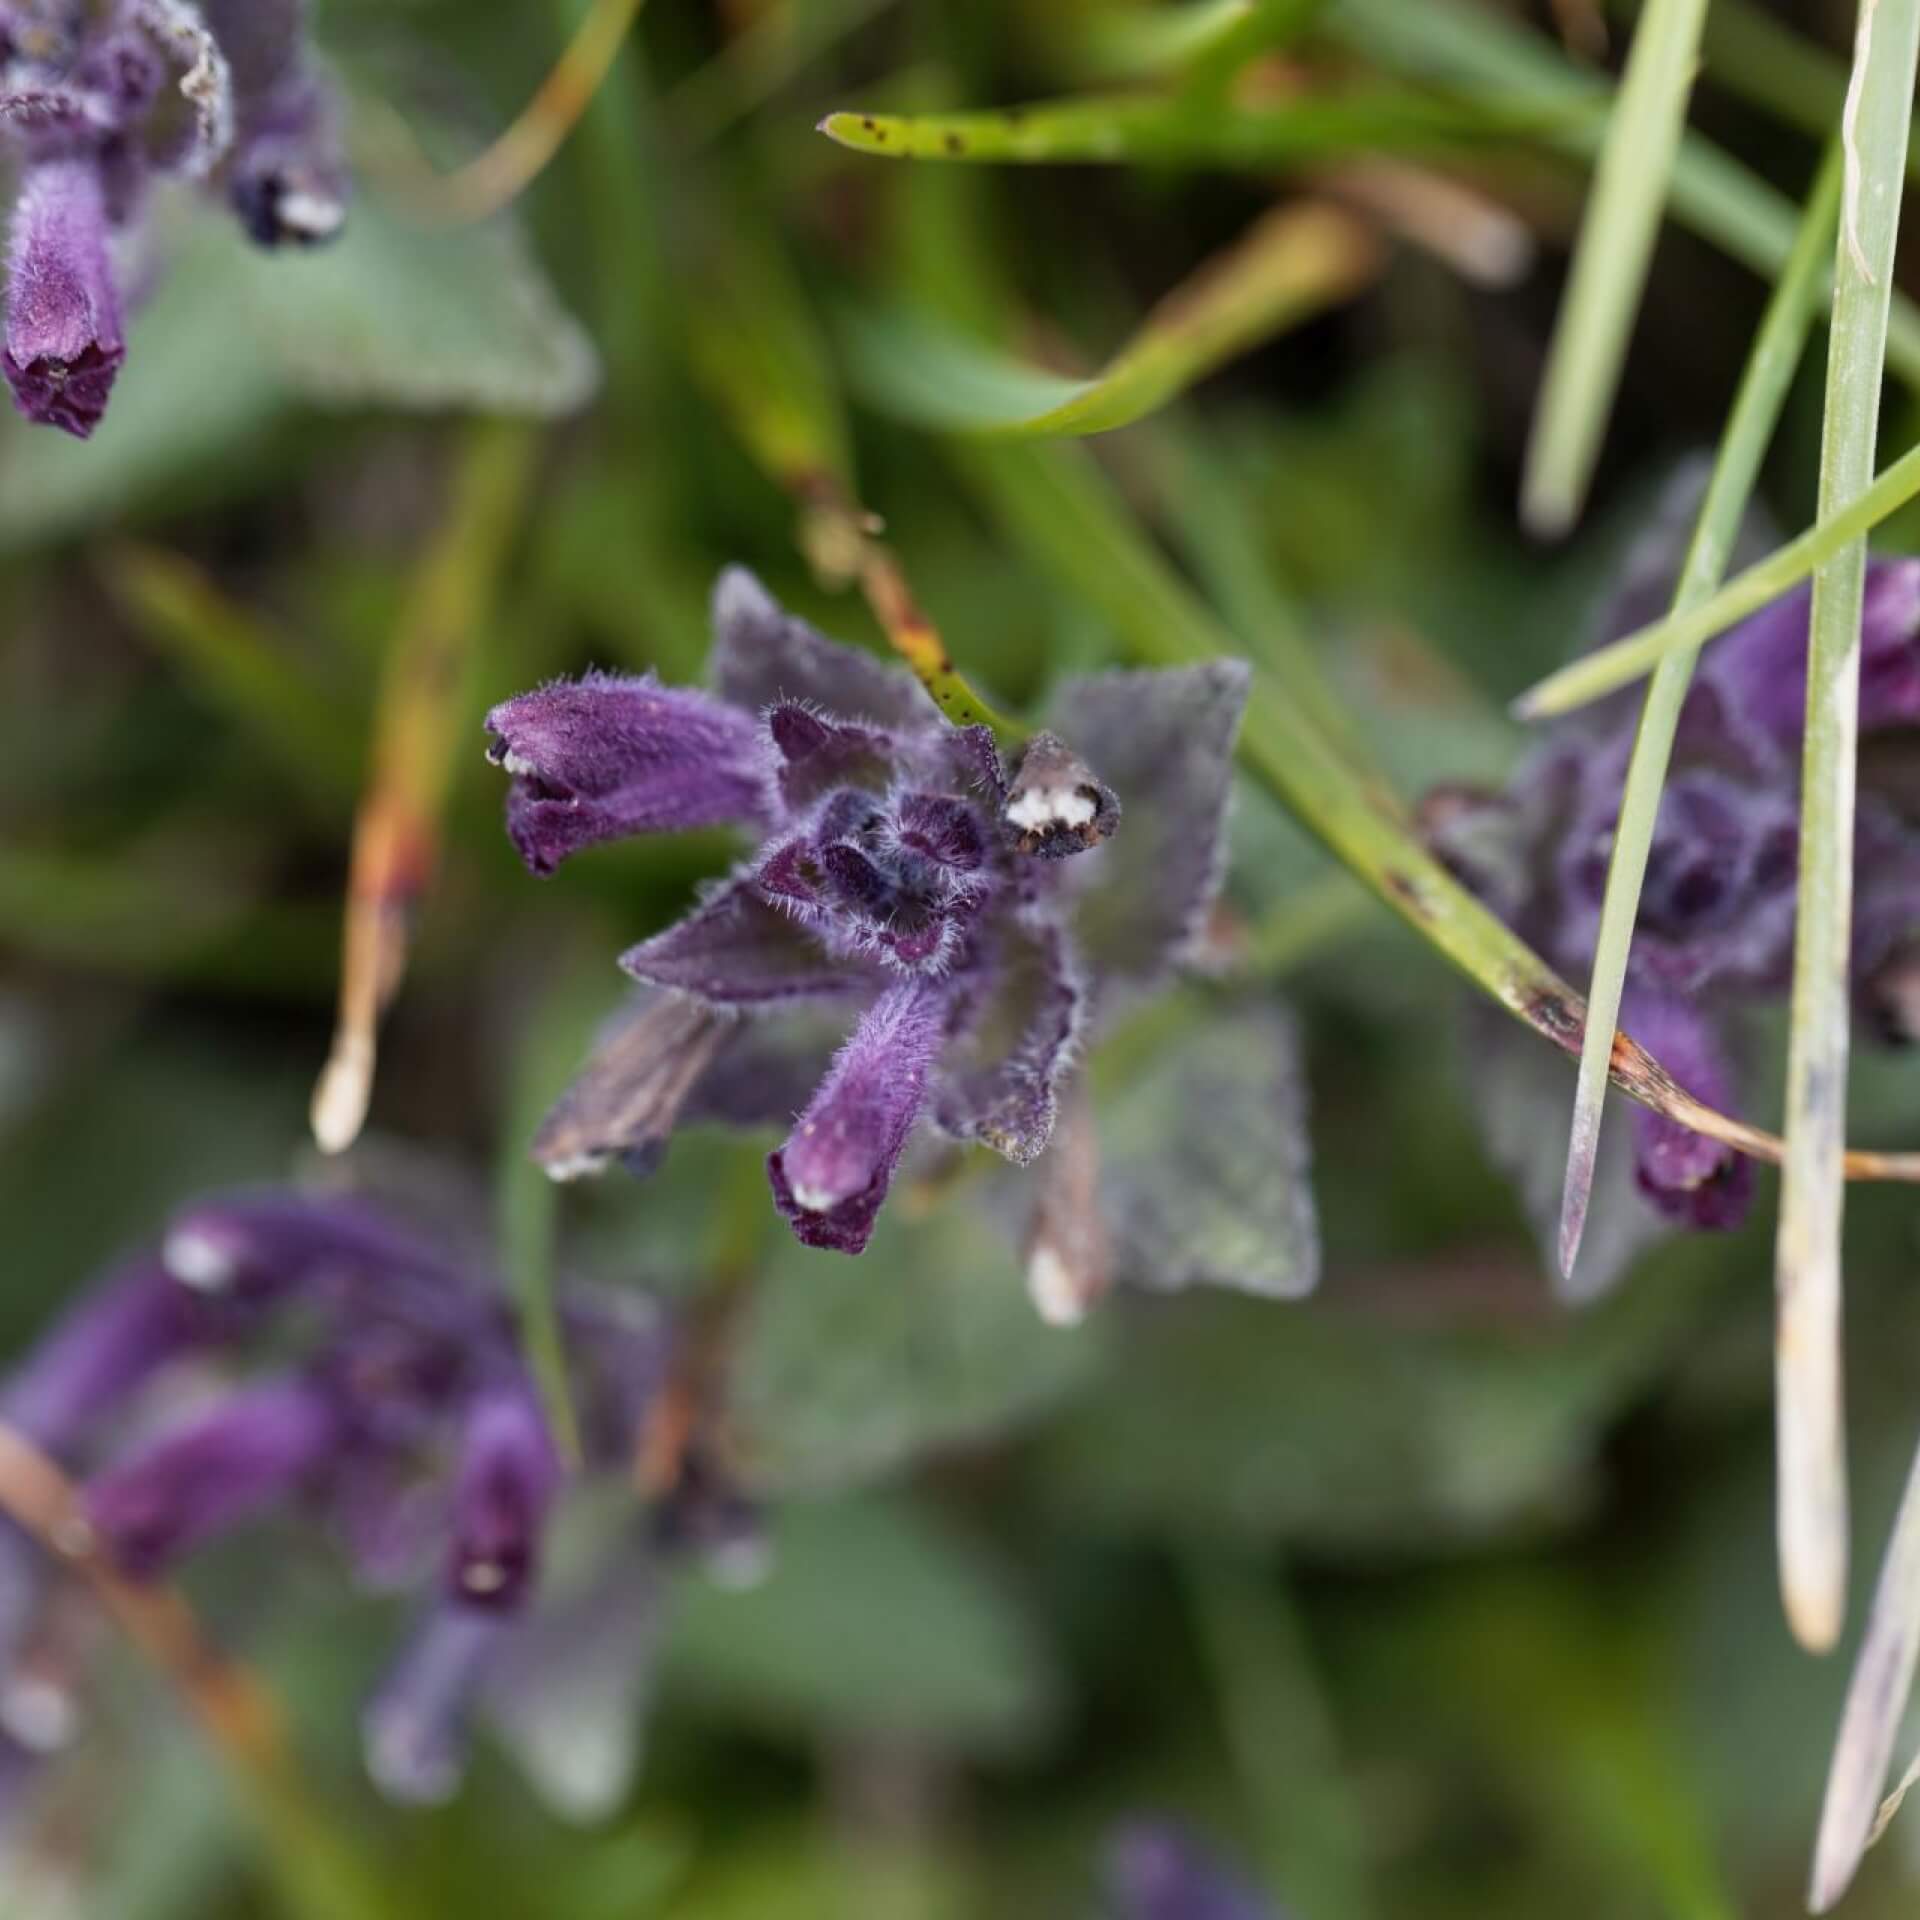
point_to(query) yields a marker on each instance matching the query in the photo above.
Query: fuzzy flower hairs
(99, 99)
(959, 924)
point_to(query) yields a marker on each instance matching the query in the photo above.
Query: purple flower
(370, 1377)
(223, 1466)
(98, 100)
(907, 884)
(1716, 920)
(64, 342)
(1158, 1871)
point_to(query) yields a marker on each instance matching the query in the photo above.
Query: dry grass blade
(1876, 1704)
(397, 831)
(495, 178)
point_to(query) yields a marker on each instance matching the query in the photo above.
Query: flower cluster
(1717, 909)
(99, 98)
(969, 919)
(279, 1349)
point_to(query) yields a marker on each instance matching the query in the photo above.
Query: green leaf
(1145, 129)
(849, 1368)
(875, 1619)
(1777, 348)
(1294, 263)
(390, 315)
(1204, 1161)
(1610, 262)
(1812, 1459)
(1348, 1431)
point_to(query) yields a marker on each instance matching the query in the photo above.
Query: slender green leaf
(1756, 412)
(1146, 129)
(1610, 262)
(1812, 1462)
(1453, 43)
(1794, 77)
(1295, 262)
(1609, 668)
(240, 662)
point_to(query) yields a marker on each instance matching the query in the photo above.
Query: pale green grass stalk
(1610, 263)
(1812, 1480)
(1609, 668)
(1756, 412)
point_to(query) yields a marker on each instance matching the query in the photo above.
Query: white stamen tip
(313, 216)
(39, 1713)
(1042, 807)
(198, 1261)
(814, 1199)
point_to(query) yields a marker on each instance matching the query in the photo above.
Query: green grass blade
(1145, 129)
(1295, 262)
(1610, 263)
(241, 664)
(1812, 1464)
(1764, 62)
(1609, 668)
(1476, 50)
(1756, 412)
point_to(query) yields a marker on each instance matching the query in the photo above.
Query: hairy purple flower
(99, 99)
(370, 1377)
(607, 756)
(64, 341)
(1716, 919)
(1158, 1871)
(904, 885)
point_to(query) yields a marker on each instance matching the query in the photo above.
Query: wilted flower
(338, 1364)
(1157, 1870)
(906, 881)
(1716, 918)
(100, 97)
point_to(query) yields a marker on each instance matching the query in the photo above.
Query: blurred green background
(1425, 1597)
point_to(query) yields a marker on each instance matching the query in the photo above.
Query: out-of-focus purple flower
(907, 883)
(370, 1378)
(1716, 921)
(1156, 1870)
(100, 97)
(508, 1476)
(236, 1459)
